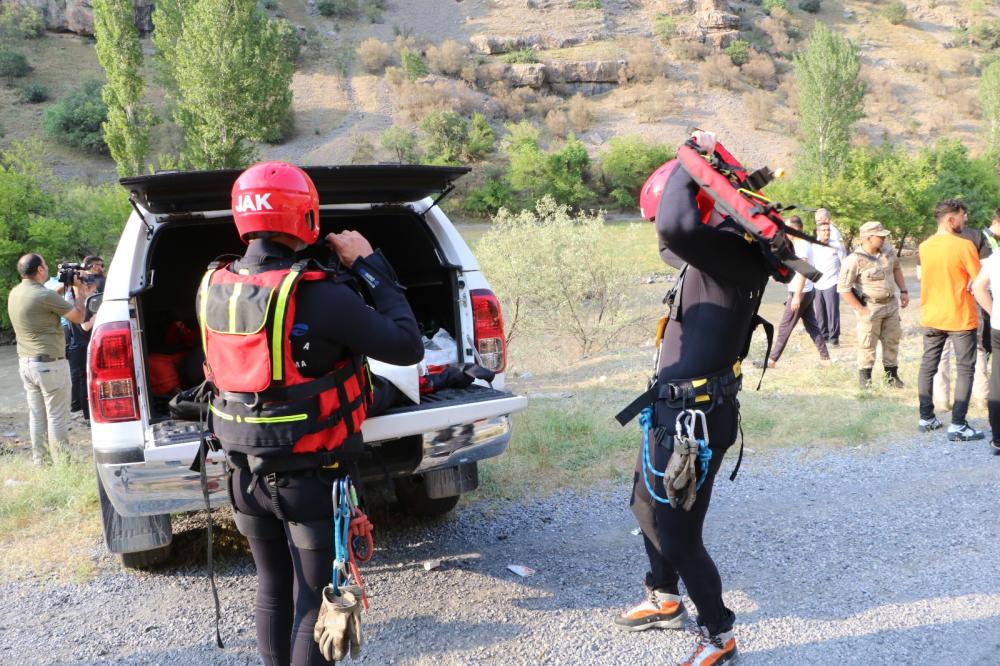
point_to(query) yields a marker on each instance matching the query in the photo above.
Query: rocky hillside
(598, 68)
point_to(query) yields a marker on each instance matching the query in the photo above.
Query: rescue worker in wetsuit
(709, 332)
(317, 330)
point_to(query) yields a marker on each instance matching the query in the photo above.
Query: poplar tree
(126, 131)
(233, 70)
(831, 95)
(168, 22)
(989, 99)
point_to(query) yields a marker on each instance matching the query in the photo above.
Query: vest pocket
(273, 427)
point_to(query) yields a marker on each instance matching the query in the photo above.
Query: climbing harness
(685, 442)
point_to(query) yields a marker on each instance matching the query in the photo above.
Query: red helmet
(276, 197)
(652, 192)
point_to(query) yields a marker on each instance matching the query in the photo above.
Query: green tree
(118, 50)
(446, 135)
(480, 139)
(401, 143)
(233, 71)
(627, 163)
(830, 101)
(77, 118)
(989, 100)
(168, 26)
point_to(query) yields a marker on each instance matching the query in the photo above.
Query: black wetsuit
(294, 557)
(719, 297)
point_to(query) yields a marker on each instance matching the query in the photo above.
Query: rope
(349, 523)
(646, 422)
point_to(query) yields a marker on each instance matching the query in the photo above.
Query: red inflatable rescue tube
(764, 225)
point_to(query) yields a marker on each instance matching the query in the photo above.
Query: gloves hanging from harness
(680, 479)
(338, 626)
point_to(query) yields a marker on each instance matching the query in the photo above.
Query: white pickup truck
(180, 223)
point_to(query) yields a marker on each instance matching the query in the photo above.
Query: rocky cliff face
(78, 16)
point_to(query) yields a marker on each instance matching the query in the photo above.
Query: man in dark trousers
(799, 306)
(287, 440)
(716, 304)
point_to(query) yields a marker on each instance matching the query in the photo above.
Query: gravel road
(876, 555)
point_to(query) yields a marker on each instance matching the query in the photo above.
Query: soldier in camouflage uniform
(873, 272)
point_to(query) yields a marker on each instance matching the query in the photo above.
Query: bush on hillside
(20, 21)
(761, 71)
(401, 144)
(520, 57)
(665, 27)
(338, 8)
(76, 119)
(447, 59)
(33, 93)
(582, 293)
(738, 52)
(771, 5)
(13, 64)
(561, 173)
(895, 12)
(686, 48)
(718, 71)
(627, 163)
(451, 139)
(374, 55)
(413, 64)
(488, 199)
(811, 6)
(578, 112)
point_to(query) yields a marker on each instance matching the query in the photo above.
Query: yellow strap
(222, 415)
(278, 330)
(234, 301)
(291, 418)
(738, 368)
(695, 383)
(203, 307)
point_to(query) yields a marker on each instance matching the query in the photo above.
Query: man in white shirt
(799, 306)
(827, 259)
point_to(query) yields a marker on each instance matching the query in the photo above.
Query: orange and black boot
(660, 610)
(712, 650)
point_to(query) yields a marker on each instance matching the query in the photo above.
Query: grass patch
(52, 516)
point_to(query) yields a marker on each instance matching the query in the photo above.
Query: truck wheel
(142, 541)
(412, 494)
(146, 559)
(436, 493)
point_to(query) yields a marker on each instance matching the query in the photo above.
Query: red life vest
(262, 405)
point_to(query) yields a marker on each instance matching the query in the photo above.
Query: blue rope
(341, 527)
(704, 457)
(646, 422)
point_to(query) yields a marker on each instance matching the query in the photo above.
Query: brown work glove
(338, 627)
(680, 479)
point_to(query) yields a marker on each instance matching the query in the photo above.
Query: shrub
(643, 63)
(338, 8)
(582, 294)
(447, 59)
(488, 199)
(686, 48)
(559, 173)
(627, 163)
(811, 6)
(269, 5)
(374, 54)
(521, 56)
(759, 106)
(13, 64)
(34, 93)
(402, 144)
(20, 21)
(771, 5)
(586, 4)
(659, 102)
(665, 27)
(578, 112)
(718, 70)
(451, 139)
(895, 12)
(413, 64)
(372, 11)
(362, 150)
(761, 71)
(557, 123)
(738, 52)
(76, 119)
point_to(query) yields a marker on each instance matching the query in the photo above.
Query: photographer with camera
(89, 271)
(34, 313)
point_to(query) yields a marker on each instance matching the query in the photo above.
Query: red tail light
(112, 374)
(488, 325)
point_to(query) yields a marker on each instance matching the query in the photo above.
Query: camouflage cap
(872, 229)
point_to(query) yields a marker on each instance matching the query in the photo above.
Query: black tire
(412, 494)
(146, 559)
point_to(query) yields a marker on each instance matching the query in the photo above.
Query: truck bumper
(163, 482)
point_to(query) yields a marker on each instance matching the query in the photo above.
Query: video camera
(69, 271)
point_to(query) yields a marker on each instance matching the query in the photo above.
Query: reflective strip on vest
(234, 301)
(203, 296)
(290, 418)
(219, 413)
(278, 329)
